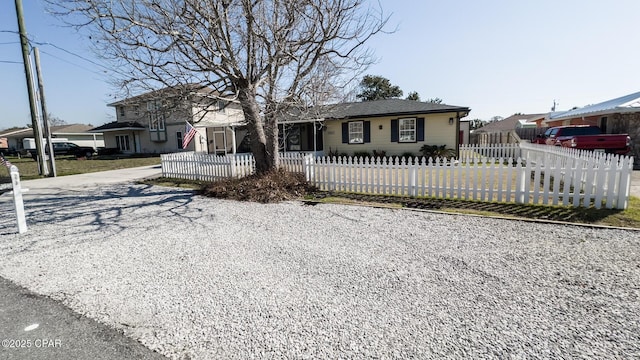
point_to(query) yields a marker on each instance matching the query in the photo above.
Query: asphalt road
(36, 327)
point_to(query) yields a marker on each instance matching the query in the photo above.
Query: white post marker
(17, 199)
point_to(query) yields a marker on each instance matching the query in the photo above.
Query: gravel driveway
(203, 278)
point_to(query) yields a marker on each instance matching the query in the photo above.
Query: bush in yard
(407, 156)
(437, 151)
(361, 154)
(274, 186)
(379, 153)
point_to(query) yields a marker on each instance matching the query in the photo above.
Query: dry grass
(70, 165)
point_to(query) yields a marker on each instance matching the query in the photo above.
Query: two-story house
(154, 122)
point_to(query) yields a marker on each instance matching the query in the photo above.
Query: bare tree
(55, 121)
(266, 54)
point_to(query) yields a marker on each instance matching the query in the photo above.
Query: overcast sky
(497, 57)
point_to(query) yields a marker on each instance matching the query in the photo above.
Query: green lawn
(70, 165)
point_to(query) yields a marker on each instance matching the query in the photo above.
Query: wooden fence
(508, 173)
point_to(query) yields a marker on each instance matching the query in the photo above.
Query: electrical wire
(72, 63)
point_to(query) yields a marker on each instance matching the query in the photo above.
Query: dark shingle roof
(387, 107)
(115, 126)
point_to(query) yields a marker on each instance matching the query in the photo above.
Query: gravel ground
(203, 278)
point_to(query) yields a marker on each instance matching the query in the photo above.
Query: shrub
(333, 153)
(437, 151)
(361, 154)
(379, 153)
(274, 186)
(407, 155)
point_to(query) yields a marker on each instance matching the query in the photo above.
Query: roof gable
(168, 92)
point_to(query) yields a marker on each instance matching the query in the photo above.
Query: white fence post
(17, 199)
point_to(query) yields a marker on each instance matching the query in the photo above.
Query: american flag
(5, 162)
(188, 136)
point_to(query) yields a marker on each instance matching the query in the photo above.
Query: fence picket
(575, 176)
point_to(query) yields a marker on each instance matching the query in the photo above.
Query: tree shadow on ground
(94, 215)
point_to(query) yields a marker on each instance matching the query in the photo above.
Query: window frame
(352, 135)
(124, 141)
(413, 137)
(179, 138)
(157, 126)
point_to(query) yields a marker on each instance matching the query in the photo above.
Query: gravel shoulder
(195, 277)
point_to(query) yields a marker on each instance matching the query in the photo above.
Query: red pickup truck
(586, 137)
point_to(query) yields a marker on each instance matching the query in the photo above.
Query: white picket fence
(584, 182)
(471, 152)
(209, 167)
(525, 174)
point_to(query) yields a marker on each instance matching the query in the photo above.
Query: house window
(136, 110)
(220, 105)
(121, 108)
(157, 129)
(179, 139)
(122, 142)
(156, 122)
(407, 130)
(356, 132)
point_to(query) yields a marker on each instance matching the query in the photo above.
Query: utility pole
(24, 43)
(45, 119)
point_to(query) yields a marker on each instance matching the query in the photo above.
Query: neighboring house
(465, 131)
(155, 122)
(616, 116)
(75, 133)
(512, 122)
(393, 126)
(504, 131)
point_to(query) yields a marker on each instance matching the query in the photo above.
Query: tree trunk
(261, 131)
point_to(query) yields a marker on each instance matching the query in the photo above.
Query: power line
(79, 56)
(10, 62)
(31, 41)
(72, 63)
(72, 53)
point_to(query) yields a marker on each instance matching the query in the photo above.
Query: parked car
(586, 137)
(67, 148)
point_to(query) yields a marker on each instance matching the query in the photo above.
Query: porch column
(233, 139)
(314, 138)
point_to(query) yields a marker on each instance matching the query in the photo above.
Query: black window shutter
(394, 130)
(420, 129)
(345, 133)
(367, 131)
